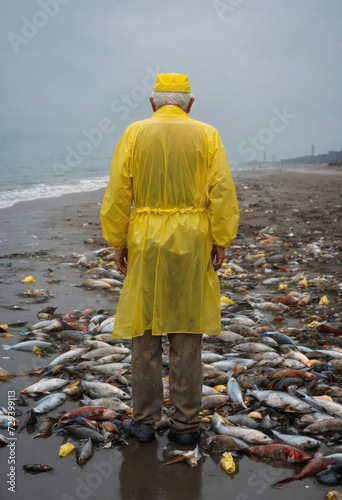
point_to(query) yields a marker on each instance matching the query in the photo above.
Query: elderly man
(169, 246)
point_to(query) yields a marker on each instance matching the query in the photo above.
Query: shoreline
(319, 169)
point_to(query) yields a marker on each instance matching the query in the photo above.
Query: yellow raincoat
(175, 171)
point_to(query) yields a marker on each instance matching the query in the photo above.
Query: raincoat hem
(167, 333)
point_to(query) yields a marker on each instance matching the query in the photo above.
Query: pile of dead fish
(271, 380)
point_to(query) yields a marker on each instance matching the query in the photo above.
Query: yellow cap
(172, 82)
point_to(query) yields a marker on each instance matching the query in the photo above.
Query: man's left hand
(217, 256)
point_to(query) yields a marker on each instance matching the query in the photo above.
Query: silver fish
(49, 402)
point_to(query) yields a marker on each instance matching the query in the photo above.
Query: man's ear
(152, 104)
(192, 100)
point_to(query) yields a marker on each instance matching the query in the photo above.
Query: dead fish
(110, 368)
(30, 420)
(294, 373)
(253, 347)
(332, 475)
(68, 356)
(84, 451)
(212, 402)
(243, 421)
(49, 402)
(228, 364)
(248, 435)
(278, 399)
(27, 345)
(47, 325)
(4, 374)
(82, 432)
(95, 284)
(3, 440)
(100, 389)
(288, 301)
(234, 392)
(281, 452)
(270, 306)
(298, 441)
(36, 468)
(5, 422)
(45, 427)
(311, 469)
(222, 443)
(209, 391)
(324, 425)
(111, 403)
(229, 336)
(91, 412)
(45, 385)
(191, 457)
(210, 357)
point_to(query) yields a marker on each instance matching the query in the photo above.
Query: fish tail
(6, 347)
(287, 479)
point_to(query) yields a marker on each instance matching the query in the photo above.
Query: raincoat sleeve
(118, 196)
(222, 197)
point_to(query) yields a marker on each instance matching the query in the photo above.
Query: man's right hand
(217, 256)
(121, 255)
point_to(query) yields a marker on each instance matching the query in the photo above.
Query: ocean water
(32, 169)
(40, 168)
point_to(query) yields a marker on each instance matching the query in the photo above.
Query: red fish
(282, 452)
(311, 469)
(93, 412)
(289, 301)
(295, 373)
(329, 329)
(305, 301)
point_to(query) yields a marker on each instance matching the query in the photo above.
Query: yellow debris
(324, 301)
(101, 262)
(206, 419)
(312, 324)
(313, 361)
(225, 299)
(4, 327)
(72, 385)
(254, 414)
(220, 388)
(282, 286)
(324, 398)
(303, 282)
(37, 351)
(229, 271)
(28, 279)
(65, 449)
(227, 463)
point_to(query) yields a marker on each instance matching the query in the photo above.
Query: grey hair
(181, 99)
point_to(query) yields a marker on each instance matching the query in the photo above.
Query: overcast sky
(266, 73)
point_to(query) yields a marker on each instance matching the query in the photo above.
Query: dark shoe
(141, 432)
(186, 439)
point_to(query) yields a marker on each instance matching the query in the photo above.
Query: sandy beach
(296, 206)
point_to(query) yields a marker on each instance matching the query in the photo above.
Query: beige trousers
(185, 379)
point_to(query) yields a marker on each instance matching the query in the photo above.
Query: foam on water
(11, 196)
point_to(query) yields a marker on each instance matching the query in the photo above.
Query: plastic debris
(227, 463)
(66, 449)
(28, 279)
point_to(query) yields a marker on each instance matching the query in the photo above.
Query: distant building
(324, 158)
(313, 150)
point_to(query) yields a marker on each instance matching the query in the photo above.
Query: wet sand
(303, 206)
